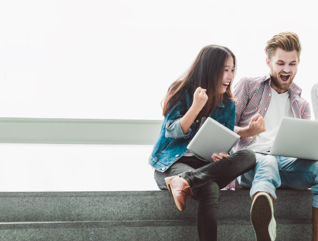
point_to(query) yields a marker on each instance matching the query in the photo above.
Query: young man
(262, 104)
(314, 100)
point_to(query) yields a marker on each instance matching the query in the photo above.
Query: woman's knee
(209, 190)
(159, 178)
(213, 187)
(248, 157)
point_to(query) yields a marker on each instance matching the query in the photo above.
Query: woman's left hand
(219, 156)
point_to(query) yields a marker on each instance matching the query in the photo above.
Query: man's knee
(269, 161)
(314, 168)
(314, 172)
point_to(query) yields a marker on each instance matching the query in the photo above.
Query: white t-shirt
(314, 99)
(278, 108)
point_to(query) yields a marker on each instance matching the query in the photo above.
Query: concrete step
(141, 205)
(143, 230)
(146, 215)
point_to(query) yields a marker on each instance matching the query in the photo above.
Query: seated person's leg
(300, 174)
(263, 180)
(207, 196)
(208, 202)
(264, 177)
(222, 172)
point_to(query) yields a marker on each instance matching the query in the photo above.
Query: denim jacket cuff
(174, 130)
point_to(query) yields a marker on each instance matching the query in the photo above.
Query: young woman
(205, 91)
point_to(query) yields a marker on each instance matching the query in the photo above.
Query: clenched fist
(257, 125)
(199, 99)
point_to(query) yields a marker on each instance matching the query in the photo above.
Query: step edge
(135, 223)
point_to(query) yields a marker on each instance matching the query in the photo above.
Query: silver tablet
(212, 137)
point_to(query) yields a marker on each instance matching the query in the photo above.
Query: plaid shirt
(253, 96)
(314, 99)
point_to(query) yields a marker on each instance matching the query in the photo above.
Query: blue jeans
(272, 172)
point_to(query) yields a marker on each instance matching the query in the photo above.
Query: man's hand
(255, 127)
(219, 156)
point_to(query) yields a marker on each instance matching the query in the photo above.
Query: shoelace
(188, 191)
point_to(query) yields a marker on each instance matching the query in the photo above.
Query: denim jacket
(172, 142)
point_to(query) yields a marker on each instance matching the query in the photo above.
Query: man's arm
(307, 113)
(314, 100)
(255, 127)
(257, 123)
(241, 94)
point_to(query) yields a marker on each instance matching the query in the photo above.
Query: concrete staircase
(140, 215)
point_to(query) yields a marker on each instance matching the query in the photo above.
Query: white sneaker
(262, 217)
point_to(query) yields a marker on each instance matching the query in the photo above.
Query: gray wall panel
(79, 131)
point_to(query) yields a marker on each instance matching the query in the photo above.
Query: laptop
(212, 137)
(296, 138)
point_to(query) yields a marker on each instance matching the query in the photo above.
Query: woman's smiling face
(228, 75)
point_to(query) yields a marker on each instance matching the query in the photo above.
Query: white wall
(41, 167)
(116, 59)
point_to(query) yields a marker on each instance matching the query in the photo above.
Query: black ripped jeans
(205, 180)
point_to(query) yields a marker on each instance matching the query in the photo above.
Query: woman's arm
(180, 119)
(199, 100)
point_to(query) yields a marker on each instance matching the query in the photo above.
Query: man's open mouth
(284, 77)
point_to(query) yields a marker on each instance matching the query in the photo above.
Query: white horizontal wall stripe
(79, 131)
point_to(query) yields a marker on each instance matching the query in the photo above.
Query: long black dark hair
(206, 72)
